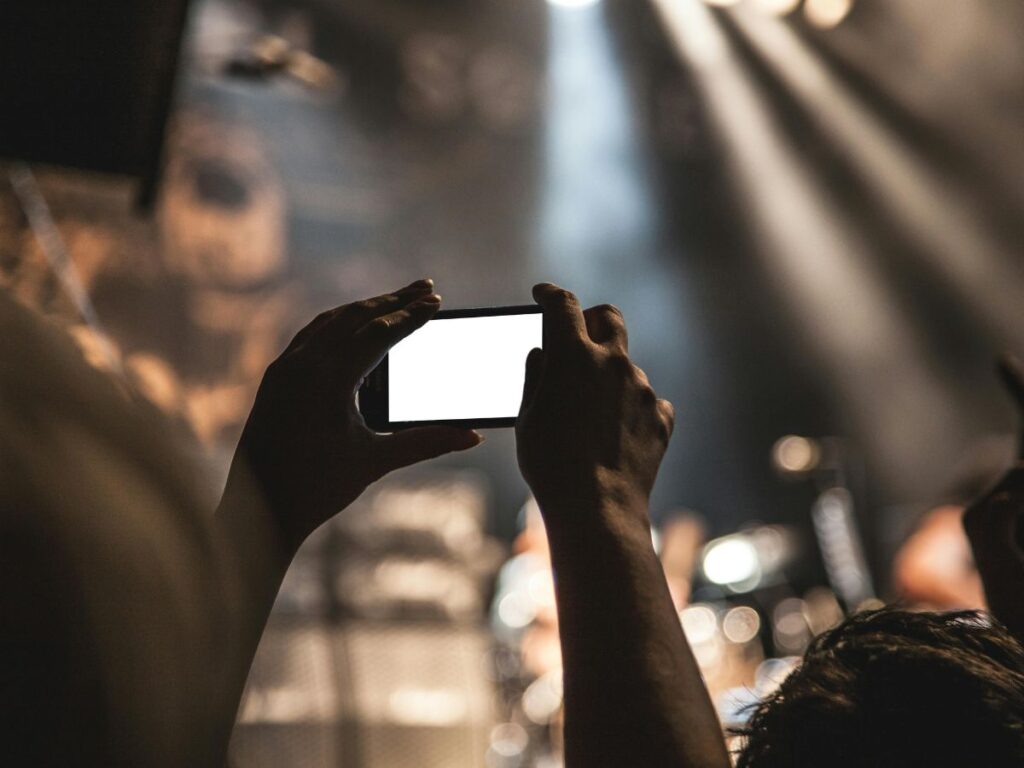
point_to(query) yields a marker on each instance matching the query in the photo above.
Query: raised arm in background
(305, 452)
(590, 437)
(995, 526)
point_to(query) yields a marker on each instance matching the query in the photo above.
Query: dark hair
(891, 688)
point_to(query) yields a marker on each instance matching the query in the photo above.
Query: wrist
(246, 504)
(587, 521)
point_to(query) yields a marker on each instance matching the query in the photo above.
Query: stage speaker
(420, 694)
(290, 711)
(367, 695)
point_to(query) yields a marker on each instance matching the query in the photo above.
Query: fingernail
(423, 284)
(474, 439)
(431, 299)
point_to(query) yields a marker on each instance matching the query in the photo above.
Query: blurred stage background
(809, 211)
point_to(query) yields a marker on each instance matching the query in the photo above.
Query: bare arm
(305, 452)
(590, 438)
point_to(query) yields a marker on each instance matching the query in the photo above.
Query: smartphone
(464, 368)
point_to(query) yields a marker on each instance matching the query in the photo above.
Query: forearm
(633, 692)
(257, 555)
(306, 453)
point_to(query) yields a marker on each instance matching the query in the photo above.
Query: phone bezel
(373, 392)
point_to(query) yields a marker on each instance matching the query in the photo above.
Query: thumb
(534, 373)
(410, 446)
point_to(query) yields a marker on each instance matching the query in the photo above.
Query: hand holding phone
(305, 445)
(592, 431)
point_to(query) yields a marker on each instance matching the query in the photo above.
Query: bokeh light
(732, 561)
(795, 454)
(741, 624)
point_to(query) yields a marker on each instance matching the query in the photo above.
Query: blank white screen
(462, 368)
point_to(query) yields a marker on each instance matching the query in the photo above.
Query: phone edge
(375, 413)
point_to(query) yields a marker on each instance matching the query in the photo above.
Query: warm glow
(827, 13)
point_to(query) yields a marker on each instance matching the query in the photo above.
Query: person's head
(892, 688)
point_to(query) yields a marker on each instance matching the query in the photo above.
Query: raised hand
(305, 443)
(591, 427)
(590, 435)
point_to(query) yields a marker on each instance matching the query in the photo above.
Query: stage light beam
(856, 330)
(930, 210)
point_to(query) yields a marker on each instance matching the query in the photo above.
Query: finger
(351, 317)
(563, 319)
(373, 340)
(534, 373)
(667, 412)
(410, 446)
(606, 326)
(361, 311)
(310, 329)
